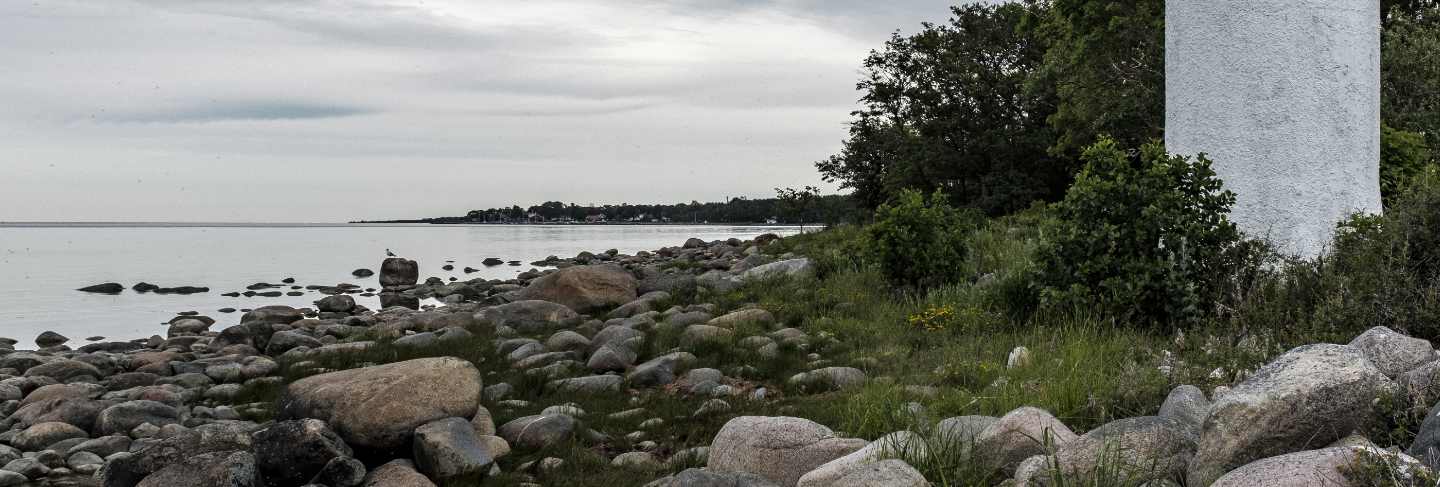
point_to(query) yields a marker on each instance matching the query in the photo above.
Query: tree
(1106, 61)
(795, 204)
(947, 109)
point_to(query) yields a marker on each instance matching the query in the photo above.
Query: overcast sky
(320, 110)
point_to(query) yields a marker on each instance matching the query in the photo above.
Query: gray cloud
(229, 111)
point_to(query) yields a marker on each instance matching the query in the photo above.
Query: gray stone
(64, 370)
(532, 316)
(1391, 352)
(1021, 434)
(339, 303)
(1188, 405)
(638, 460)
(695, 477)
(397, 271)
(780, 449)
(885, 473)
(584, 288)
(1311, 396)
(784, 268)
(587, 385)
(1145, 448)
(341, 472)
(294, 452)
(901, 444)
(744, 316)
(539, 431)
(37, 437)
(223, 469)
(397, 473)
(448, 450)
(123, 417)
(379, 407)
(962, 431)
(1326, 467)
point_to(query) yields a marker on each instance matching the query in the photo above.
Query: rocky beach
(603, 359)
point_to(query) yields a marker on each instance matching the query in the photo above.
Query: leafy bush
(1403, 157)
(1142, 237)
(920, 242)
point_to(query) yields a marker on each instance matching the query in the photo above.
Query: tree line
(790, 207)
(994, 106)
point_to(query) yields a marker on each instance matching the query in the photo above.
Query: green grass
(944, 350)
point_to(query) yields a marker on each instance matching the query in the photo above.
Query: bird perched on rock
(388, 253)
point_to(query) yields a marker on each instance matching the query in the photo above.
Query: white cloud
(295, 110)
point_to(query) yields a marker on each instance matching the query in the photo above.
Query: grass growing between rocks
(941, 353)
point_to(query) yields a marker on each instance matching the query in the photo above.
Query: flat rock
(379, 407)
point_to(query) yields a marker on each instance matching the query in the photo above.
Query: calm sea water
(41, 266)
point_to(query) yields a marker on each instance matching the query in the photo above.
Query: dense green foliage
(920, 242)
(1141, 237)
(947, 109)
(1106, 59)
(1403, 157)
(1410, 70)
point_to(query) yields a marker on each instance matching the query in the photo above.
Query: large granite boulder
(123, 417)
(584, 288)
(378, 408)
(884, 473)
(1309, 397)
(780, 449)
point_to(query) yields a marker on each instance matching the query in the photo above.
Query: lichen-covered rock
(1311, 396)
(379, 407)
(780, 449)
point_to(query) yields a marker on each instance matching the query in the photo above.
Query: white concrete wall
(1284, 96)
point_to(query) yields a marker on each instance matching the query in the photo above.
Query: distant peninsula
(735, 211)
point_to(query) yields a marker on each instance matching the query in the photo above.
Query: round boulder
(379, 407)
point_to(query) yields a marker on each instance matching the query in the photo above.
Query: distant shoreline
(355, 224)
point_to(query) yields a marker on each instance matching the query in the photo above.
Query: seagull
(388, 253)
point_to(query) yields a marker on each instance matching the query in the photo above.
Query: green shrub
(1142, 238)
(920, 242)
(1403, 157)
